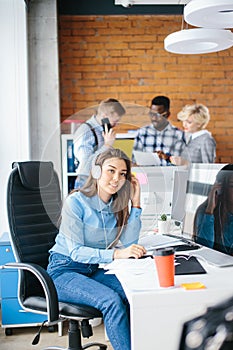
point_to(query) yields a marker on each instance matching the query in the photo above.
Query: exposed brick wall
(123, 57)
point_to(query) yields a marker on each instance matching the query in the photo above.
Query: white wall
(14, 131)
(29, 88)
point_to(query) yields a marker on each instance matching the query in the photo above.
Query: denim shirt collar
(98, 204)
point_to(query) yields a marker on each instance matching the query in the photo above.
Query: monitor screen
(156, 185)
(179, 194)
(208, 216)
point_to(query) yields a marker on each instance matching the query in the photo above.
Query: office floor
(22, 338)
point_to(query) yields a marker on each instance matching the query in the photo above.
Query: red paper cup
(165, 265)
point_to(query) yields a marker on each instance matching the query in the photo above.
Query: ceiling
(152, 2)
(114, 7)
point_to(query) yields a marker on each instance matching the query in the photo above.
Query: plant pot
(163, 226)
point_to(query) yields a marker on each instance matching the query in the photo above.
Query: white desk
(157, 316)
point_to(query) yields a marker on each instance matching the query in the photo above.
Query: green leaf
(163, 217)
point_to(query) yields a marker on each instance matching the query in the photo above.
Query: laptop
(146, 158)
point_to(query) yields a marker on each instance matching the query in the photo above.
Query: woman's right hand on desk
(135, 250)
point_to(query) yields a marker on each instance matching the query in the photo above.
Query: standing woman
(200, 145)
(213, 222)
(97, 227)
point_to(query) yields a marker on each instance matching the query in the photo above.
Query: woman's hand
(109, 136)
(213, 198)
(133, 251)
(135, 191)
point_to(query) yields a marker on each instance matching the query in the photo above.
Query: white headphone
(96, 171)
(95, 168)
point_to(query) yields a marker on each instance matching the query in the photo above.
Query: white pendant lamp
(209, 13)
(198, 41)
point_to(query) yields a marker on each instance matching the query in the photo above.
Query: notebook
(188, 265)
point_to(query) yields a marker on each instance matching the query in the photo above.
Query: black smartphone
(106, 121)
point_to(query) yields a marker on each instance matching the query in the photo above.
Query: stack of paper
(135, 274)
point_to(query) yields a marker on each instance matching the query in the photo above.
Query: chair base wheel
(8, 331)
(51, 329)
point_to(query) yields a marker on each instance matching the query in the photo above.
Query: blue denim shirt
(89, 226)
(206, 233)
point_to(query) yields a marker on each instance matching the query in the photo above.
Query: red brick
(124, 57)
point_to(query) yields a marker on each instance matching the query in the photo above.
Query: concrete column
(44, 82)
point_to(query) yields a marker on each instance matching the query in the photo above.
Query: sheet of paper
(135, 282)
(135, 274)
(129, 264)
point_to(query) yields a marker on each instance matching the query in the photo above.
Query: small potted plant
(163, 224)
(163, 217)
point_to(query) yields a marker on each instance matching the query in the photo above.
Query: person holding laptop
(213, 221)
(160, 136)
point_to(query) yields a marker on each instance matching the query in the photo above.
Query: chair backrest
(34, 208)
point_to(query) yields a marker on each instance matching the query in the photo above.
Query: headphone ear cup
(96, 171)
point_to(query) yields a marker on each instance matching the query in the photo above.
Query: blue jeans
(87, 284)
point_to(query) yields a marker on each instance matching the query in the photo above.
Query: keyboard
(185, 245)
(213, 257)
(179, 243)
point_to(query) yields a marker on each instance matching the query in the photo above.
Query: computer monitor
(162, 192)
(156, 188)
(198, 225)
(179, 194)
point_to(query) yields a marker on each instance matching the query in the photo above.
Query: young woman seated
(100, 222)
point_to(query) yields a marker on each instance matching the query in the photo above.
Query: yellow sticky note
(193, 285)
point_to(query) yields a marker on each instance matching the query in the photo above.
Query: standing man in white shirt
(90, 139)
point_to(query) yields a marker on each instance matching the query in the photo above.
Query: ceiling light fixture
(209, 13)
(127, 3)
(198, 41)
(212, 16)
(153, 2)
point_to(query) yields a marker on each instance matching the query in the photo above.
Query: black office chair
(34, 207)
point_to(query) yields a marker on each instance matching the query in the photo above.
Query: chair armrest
(46, 283)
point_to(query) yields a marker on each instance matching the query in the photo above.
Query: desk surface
(158, 314)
